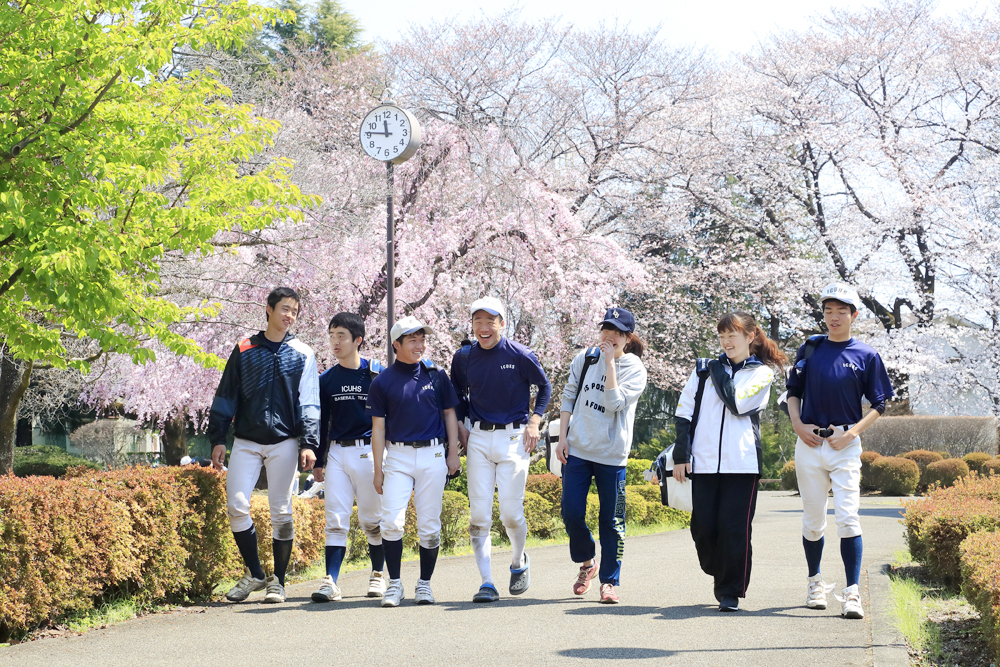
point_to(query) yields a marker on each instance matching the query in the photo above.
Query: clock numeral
(395, 149)
(371, 144)
(402, 122)
(372, 126)
(387, 152)
(368, 135)
(401, 142)
(406, 132)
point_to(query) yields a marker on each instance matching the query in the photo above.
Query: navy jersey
(837, 375)
(499, 383)
(343, 393)
(404, 396)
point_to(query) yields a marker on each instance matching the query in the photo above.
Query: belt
(416, 444)
(489, 426)
(360, 442)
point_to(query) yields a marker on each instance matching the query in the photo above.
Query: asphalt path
(667, 614)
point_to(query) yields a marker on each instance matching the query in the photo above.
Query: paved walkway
(667, 614)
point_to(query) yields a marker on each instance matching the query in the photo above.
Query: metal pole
(390, 260)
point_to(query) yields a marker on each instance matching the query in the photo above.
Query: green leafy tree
(334, 28)
(108, 161)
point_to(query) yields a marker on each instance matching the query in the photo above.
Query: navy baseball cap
(620, 319)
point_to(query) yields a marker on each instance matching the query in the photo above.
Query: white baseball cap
(185, 460)
(408, 325)
(841, 292)
(491, 305)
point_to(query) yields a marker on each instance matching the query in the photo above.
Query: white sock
(481, 547)
(517, 543)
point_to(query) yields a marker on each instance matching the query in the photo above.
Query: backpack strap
(463, 362)
(702, 371)
(374, 367)
(591, 357)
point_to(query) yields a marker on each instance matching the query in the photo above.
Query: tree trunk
(174, 440)
(14, 377)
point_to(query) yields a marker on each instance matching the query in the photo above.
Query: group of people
(377, 436)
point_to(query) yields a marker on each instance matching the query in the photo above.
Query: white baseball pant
(281, 461)
(422, 472)
(817, 469)
(496, 459)
(349, 473)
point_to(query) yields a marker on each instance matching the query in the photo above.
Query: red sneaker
(582, 584)
(608, 595)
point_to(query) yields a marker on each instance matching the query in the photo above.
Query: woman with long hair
(718, 448)
(595, 437)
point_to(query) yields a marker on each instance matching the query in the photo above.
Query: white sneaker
(393, 593)
(423, 593)
(850, 599)
(275, 591)
(244, 587)
(376, 585)
(816, 592)
(328, 591)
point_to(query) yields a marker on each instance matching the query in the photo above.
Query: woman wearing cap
(595, 436)
(825, 389)
(720, 451)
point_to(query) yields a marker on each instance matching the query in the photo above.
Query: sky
(725, 26)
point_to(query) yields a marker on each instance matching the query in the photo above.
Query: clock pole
(390, 258)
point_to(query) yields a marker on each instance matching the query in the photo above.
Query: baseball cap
(408, 325)
(620, 319)
(185, 460)
(841, 292)
(491, 305)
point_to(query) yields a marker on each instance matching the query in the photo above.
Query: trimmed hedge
(634, 469)
(47, 460)
(156, 533)
(981, 583)
(788, 480)
(946, 472)
(937, 524)
(548, 486)
(923, 458)
(975, 460)
(868, 479)
(896, 476)
(991, 467)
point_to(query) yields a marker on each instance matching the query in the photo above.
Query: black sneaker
(729, 603)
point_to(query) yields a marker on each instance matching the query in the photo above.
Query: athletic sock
(428, 559)
(282, 550)
(334, 559)
(377, 555)
(850, 551)
(246, 542)
(814, 554)
(482, 545)
(393, 556)
(517, 543)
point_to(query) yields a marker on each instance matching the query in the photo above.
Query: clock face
(387, 132)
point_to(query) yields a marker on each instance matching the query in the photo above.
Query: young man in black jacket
(271, 388)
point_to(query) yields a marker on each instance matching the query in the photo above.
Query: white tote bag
(678, 493)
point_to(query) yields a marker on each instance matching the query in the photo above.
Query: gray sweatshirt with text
(600, 428)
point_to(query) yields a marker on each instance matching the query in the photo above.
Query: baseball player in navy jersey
(493, 381)
(271, 388)
(824, 403)
(412, 407)
(345, 459)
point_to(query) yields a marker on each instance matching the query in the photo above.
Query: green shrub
(651, 492)
(937, 524)
(538, 467)
(47, 460)
(788, 479)
(981, 583)
(548, 486)
(946, 472)
(943, 454)
(896, 475)
(538, 512)
(461, 483)
(634, 469)
(455, 520)
(922, 458)
(975, 460)
(991, 467)
(868, 480)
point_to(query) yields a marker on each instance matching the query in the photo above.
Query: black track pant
(724, 506)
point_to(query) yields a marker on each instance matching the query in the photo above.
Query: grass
(116, 610)
(909, 615)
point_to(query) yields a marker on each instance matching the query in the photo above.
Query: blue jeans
(610, 481)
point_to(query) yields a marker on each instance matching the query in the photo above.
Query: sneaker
(327, 591)
(582, 583)
(729, 603)
(393, 593)
(244, 587)
(275, 591)
(376, 585)
(850, 598)
(816, 592)
(608, 595)
(423, 593)
(520, 578)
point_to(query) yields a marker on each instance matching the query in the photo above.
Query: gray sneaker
(275, 591)
(244, 587)
(328, 591)
(393, 593)
(423, 594)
